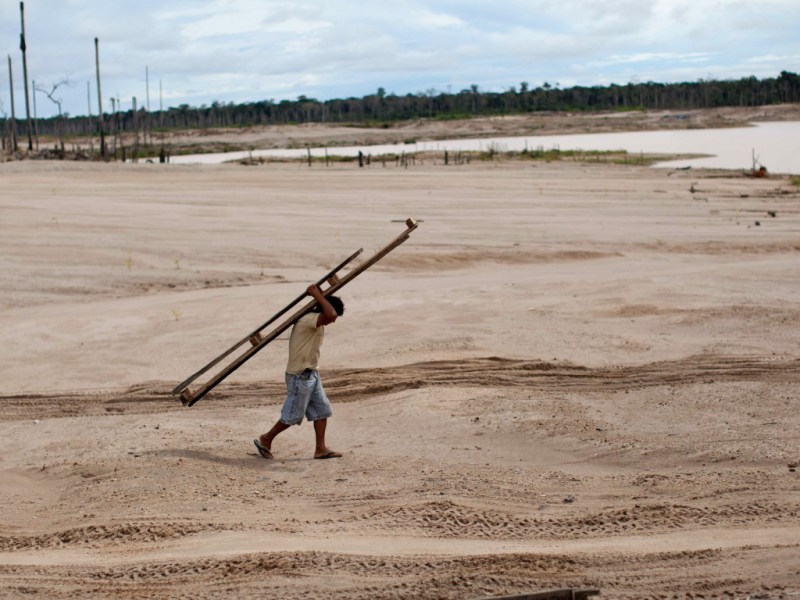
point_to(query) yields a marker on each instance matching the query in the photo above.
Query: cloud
(773, 59)
(239, 50)
(640, 57)
(236, 18)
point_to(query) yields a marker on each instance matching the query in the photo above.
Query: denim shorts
(305, 396)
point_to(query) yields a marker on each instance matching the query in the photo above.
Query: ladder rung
(186, 396)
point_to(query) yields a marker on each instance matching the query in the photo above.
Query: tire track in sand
(447, 519)
(349, 385)
(94, 536)
(669, 568)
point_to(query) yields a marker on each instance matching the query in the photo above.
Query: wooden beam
(190, 399)
(559, 594)
(249, 337)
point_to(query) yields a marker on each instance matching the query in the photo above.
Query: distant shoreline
(321, 135)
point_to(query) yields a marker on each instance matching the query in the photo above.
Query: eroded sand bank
(571, 375)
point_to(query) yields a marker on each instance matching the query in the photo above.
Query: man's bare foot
(263, 450)
(327, 454)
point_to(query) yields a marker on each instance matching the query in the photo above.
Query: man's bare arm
(327, 309)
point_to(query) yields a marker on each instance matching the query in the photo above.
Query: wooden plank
(190, 399)
(256, 332)
(559, 594)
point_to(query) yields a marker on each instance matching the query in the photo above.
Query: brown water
(774, 145)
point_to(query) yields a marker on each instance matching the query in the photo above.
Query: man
(305, 396)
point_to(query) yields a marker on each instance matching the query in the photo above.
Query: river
(775, 145)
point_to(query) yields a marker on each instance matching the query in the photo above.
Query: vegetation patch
(444, 158)
(620, 157)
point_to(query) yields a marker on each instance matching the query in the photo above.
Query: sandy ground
(570, 376)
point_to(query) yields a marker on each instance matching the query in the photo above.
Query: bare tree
(57, 101)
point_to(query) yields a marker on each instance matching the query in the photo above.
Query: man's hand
(314, 291)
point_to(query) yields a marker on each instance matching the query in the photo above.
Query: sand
(572, 375)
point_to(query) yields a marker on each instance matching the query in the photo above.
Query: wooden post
(103, 150)
(13, 128)
(163, 153)
(557, 594)
(308, 149)
(35, 119)
(147, 131)
(23, 47)
(135, 153)
(120, 129)
(114, 124)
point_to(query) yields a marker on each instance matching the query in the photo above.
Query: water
(776, 146)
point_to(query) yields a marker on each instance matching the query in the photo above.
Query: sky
(200, 51)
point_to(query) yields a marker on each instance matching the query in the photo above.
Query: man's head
(337, 305)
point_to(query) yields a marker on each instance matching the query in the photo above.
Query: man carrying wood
(305, 396)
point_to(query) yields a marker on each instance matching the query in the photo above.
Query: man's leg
(321, 450)
(266, 438)
(298, 392)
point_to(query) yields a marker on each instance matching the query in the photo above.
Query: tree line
(382, 109)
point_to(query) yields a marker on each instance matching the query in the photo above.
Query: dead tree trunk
(35, 118)
(103, 150)
(114, 126)
(23, 47)
(135, 153)
(13, 128)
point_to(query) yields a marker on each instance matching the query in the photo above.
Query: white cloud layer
(249, 50)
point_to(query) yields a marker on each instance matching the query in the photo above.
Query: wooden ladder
(258, 338)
